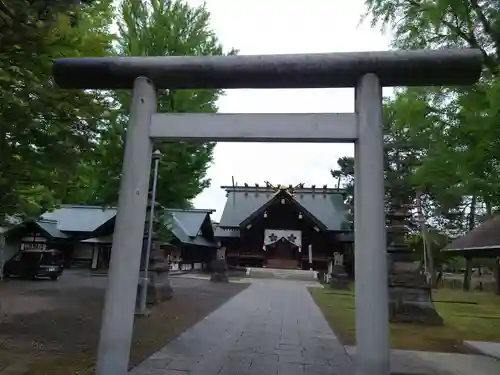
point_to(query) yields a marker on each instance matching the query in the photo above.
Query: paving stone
(182, 364)
(290, 369)
(154, 364)
(282, 346)
(234, 366)
(324, 370)
(271, 328)
(264, 359)
(263, 369)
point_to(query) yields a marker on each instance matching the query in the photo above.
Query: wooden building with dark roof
(283, 226)
(84, 234)
(193, 244)
(481, 242)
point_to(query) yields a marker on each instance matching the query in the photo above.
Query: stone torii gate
(368, 72)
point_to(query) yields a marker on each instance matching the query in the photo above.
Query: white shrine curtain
(274, 235)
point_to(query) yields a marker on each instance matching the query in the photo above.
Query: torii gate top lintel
(321, 70)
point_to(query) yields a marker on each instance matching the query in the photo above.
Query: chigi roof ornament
(290, 189)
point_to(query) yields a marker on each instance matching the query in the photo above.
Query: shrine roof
(66, 220)
(79, 218)
(186, 226)
(483, 240)
(326, 204)
(51, 228)
(191, 220)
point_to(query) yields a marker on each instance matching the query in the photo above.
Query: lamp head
(157, 154)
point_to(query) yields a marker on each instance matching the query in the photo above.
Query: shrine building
(283, 226)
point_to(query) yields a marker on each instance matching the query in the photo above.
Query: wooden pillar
(497, 276)
(309, 248)
(95, 257)
(467, 274)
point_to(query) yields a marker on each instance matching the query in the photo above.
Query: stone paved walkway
(272, 327)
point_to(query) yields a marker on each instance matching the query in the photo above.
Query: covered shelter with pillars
(294, 227)
(483, 242)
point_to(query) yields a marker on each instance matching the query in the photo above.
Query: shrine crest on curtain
(274, 235)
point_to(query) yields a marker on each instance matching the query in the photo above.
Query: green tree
(344, 177)
(160, 28)
(454, 130)
(45, 132)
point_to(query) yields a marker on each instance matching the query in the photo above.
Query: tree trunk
(497, 276)
(428, 256)
(489, 209)
(468, 260)
(467, 274)
(472, 214)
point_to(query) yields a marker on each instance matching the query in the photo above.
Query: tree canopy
(442, 144)
(66, 146)
(44, 131)
(454, 131)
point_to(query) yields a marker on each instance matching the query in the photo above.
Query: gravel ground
(52, 327)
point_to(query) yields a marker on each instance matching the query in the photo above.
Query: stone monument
(158, 287)
(410, 296)
(338, 277)
(219, 267)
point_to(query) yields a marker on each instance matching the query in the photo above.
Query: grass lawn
(467, 316)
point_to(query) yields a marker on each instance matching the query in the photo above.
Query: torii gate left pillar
(368, 72)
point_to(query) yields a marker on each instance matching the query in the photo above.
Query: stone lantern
(410, 299)
(158, 285)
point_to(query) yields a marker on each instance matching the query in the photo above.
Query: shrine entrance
(282, 248)
(282, 254)
(367, 72)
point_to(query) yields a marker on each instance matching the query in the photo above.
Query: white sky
(273, 27)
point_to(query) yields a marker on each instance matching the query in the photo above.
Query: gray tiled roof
(75, 218)
(326, 205)
(50, 226)
(186, 225)
(191, 219)
(47, 226)
(485, 236)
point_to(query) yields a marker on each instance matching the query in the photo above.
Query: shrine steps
(279, 273)
(282, 264)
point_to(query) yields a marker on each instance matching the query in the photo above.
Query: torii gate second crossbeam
(368, 72)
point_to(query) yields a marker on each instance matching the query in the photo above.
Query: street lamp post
(145, 279)
(2, 262)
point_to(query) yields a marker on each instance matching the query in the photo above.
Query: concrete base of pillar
(412, 304)
(338, 278)
(219, 271)
(159, 288)
(410, 297)
(219, 277)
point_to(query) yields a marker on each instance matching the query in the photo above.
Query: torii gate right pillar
(372, 312)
